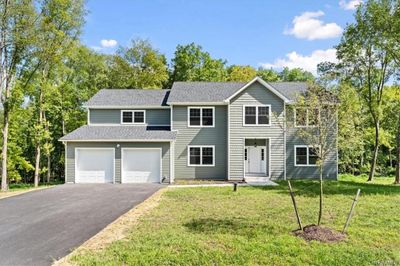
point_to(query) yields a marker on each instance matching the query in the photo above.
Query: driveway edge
(116, 230)
(19, 192)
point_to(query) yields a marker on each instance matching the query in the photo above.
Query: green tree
(59, 27)
(296, 74)
(241, 73)
(351, 132)
(191, 63)
(268, 74)
(138, 66)
(321, 109)
(17, 32)
(391, 123)
(366, 63)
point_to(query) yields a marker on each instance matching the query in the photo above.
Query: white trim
(137, 148)
(172, 162)
(133, 117)
(269, 156)
(92, 148)
(119, 140)
(171, 118)
(295, 156)
(118, 125)
(88, 116)
(126, 107)
(201, 115)
(257, 124)
(65, 162)
(284, 143)
(198, 103)
(265, 84)
(201, 155)
(229, 144)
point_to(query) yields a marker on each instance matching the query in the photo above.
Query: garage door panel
(141, 165)
(94, 165)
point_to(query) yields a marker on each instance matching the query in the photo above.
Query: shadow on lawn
(234, 226)
(311, 188)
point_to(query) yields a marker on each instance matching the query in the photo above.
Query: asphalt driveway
(39, 227)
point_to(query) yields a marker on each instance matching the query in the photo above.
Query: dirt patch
(319, 233)
(117, 230)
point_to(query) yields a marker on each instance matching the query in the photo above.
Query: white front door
(255, 159)
(141, 165)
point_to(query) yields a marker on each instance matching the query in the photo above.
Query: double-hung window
(133, 117)
(201, 116)
(304, 117)
(257, 115)
(306, 155)
(201, 155)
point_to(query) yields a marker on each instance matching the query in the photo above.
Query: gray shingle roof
(93, 133)
(192, 92)
(290, 89)
(128, 97)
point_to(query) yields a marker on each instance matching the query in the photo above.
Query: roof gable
(265, 84)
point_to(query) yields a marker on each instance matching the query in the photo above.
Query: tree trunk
(375, 154)
(397, 178)
(4, 184)
(48, 168)
(37, 156)
(321, 194)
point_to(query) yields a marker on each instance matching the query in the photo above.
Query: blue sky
(294, 33)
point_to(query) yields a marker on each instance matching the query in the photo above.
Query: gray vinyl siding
(307, 172)
(70, 158)
(256, 94)
(113, 116)
(216, 136)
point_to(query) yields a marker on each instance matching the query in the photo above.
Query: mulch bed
(318, 233)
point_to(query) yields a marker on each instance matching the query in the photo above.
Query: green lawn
(215, 226)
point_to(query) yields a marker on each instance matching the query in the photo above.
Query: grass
(215, 226)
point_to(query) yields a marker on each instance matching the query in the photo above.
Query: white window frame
(256, 124)
(133, 117)
(308, 155)
(201, 115)
(201, 155)
(307, 119)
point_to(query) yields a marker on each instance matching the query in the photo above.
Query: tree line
(47, 74)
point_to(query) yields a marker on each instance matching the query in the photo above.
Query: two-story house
(197, 130)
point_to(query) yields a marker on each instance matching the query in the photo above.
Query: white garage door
(94, 165)
(141, 165)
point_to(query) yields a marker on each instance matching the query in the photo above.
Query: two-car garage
(135, 165)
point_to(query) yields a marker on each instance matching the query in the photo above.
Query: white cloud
(307, 26)
(108, 43)
(350, 4)
(306, 62)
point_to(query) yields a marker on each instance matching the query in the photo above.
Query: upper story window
(201, 116)
(133, 117)
(257, 115)
(306, 155)
(304, 117)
